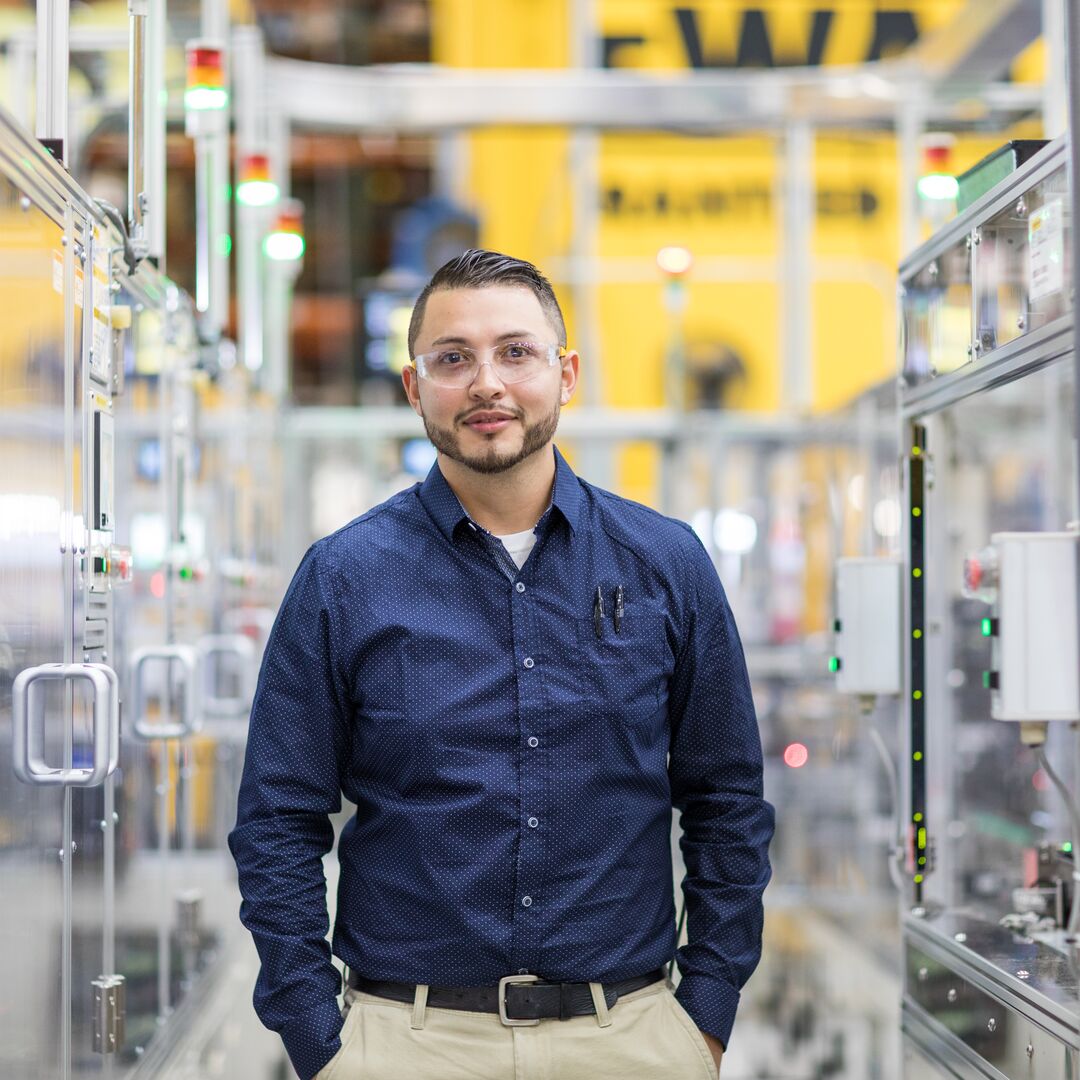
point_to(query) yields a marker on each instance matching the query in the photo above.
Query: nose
(486, 383)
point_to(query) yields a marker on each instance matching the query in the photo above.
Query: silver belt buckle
(503, 983)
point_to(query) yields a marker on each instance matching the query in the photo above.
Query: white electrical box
(867, 628)
(1035, 672)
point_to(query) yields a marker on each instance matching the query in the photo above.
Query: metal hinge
(110, 1008)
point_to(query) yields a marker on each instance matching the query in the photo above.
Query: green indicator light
(987, 627)
(922, 839)
(225, 242)
(916, 511)
(1067, 848)
(917, 695)
(917, 755)
(918, 817)
(986, 680)
(938, 187)
(834, 663)
(202, 98)
(916, 572)
(922, 860)
(916, 634)
(918, 879)
(916, 451)
(257, 192)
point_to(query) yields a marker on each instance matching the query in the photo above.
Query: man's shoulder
(646, 531)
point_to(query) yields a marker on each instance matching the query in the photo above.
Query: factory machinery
(127, 669)
(975, 628)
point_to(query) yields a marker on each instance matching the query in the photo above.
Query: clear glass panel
(142, 904)
(937, 316)
(1002, 461)
(1022, 265)
(32, 628)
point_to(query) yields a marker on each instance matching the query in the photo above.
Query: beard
(491, 460)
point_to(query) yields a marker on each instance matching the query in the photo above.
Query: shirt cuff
(311, 1040)
(711, 1003)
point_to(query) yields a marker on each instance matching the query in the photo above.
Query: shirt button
(529, 661)
(526, 901)
(533, 740)
(533, 823)
(520, 586)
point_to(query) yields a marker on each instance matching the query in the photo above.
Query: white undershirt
(519, 545)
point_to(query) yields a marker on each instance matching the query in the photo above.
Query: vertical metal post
(1055, 81)
(212, 172)
(52, 75)
(156, 102)
(598, 459)
(795, 303)
(278, 277)
(909, 128)
(1072, 33)
(137, 122)
(20, 75)
(248, 85)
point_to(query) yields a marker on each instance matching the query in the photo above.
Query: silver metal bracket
(110, 1009)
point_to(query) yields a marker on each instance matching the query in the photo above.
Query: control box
(1035, 669)
(867, 629)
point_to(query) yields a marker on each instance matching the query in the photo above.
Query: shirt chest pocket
(623, 676)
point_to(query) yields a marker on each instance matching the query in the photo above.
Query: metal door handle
(242, 647)
(188, 723)
(29, 726)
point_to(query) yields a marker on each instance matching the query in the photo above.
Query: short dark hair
(477, 269)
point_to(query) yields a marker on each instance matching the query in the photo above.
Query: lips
(488, 421)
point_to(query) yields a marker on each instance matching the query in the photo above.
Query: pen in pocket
(619, 610)
(598, 613)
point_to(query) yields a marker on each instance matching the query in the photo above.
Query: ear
(569, 377)
(411, 381)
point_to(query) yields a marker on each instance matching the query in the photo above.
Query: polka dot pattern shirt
(514, 749)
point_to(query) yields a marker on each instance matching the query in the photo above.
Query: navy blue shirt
(514, 773)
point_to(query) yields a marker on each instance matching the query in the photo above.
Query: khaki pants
(646, 1035)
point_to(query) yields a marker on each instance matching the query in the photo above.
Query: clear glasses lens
(513, 362)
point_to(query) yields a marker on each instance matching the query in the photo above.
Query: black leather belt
(518, 999)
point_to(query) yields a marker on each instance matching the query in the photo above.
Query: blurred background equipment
(216, 220)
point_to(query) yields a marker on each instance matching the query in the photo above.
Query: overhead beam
(429, 98)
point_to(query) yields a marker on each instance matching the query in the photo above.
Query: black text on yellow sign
(791, 33)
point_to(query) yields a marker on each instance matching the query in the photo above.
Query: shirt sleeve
(297, 741)
(715, 770)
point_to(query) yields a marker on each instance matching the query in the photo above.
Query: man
(495, 666)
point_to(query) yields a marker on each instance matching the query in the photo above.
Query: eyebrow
(520, 335)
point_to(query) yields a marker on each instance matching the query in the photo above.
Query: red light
(796, 756)
(157, 585)
(1040, 781)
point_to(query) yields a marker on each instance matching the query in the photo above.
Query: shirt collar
(445, 509)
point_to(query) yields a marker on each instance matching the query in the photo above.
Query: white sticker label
(1046, 247)
(101, 341)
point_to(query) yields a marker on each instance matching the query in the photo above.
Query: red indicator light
(796, 756)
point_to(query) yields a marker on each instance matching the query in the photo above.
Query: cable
(897, 852)
(1074, 816)
(117, 219)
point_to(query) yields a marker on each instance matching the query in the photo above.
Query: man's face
(489, 426)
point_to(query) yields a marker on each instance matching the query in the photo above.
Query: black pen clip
(598, 613)
(619, 609)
